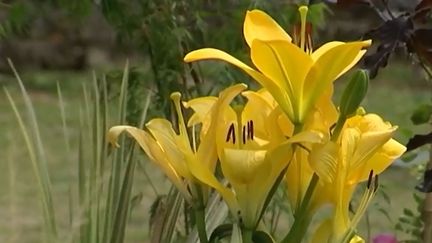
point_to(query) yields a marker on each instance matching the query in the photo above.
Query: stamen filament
(366, 199)
(194, 140)
(239, 111)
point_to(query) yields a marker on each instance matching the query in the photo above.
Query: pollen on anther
(231, 133)
(244, 135)
(250, 130)
(376, 186)
(370, 179)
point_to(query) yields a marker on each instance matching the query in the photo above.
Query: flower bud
(354, 93)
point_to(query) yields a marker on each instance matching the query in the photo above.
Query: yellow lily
(299, 172)
(364, 148)
(250, 160)
(173, 152)
(295, 76)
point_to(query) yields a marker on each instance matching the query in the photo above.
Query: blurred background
(70, 44)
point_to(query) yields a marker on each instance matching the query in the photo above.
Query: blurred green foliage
(163, 31)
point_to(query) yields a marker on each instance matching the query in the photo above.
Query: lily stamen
(244, 134)
(376, 183)
(231, 133)
(372, 187)
(246, 130)
(370, 178)
(250, 130)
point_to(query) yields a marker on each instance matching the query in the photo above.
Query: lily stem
(337, 130)
(302, 218)
(247, 235)
(199, 213)
(297, 129)
(200, 224)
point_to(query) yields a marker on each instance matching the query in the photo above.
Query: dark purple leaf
(389, 35)
(418, 141)
(426, 185)
(422, 11)
(347, 2)
(421, 43)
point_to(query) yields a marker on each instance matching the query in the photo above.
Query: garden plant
(253, 133)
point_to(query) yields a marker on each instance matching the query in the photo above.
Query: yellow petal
(369, 123)
(307, 137)
(201, 107)
(323, 232)
(153, 151)
(206, 152)
(278, 127)
(204, 175)
(173, 147)
(325, 48)
(329, 45)
(257, 102)
(370, 143)
(324, 115)
(350, 140)
(259, 25)
(285, 64)
(378, 162)
(273, 88)
(323, 160)
(357, 239)
(279, 158)
(242, 166)
(329, 66)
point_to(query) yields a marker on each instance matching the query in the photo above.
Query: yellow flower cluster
(289, 130)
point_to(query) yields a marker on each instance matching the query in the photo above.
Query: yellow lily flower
(250, 159)
(365, 148)
(299, 173)
(173, 152)
(295, 76)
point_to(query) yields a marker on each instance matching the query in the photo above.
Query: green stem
(200, 224)
(301, 218)
(348, 236)
(297, 129)
(199, 213)
(247, 235)
(337, 130)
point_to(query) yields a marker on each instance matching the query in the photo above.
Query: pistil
(303, 14)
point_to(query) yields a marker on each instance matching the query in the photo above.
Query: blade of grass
(83, 235)
(41, 178)
(117, 163)
(12, 193)
(63, 118)
(40, 158)
(122, 211)
(95, 165)
(175, 200)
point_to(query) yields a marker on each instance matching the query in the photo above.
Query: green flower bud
(354, 93)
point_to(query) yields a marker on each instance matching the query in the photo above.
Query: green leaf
(236, 234)
(408, 212)
(222, 231)
(262, 237)
(422, 114)
(385, 213)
